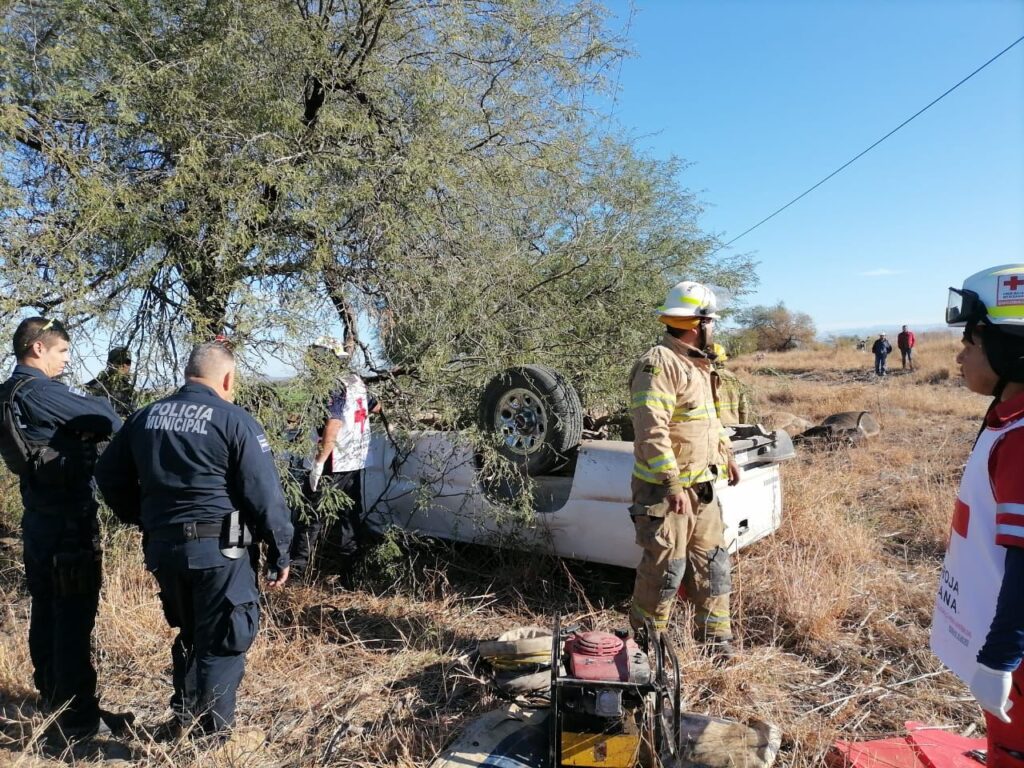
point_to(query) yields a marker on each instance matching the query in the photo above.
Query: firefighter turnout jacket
(679, 440)
(731, 399)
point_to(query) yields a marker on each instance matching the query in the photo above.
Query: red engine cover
(599, 656)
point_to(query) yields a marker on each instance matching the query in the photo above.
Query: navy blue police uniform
(180, 468)
(61, 536)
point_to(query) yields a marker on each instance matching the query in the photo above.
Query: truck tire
(538, 415)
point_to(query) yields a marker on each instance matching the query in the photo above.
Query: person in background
(732, 401)
(978, 620)
(905, 341)
(115, 383)
(881, 349)
(342, 449)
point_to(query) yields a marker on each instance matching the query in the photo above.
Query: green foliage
(427, 176)
(386, 560)
(845, 341)
(737, 341)
(777, 328)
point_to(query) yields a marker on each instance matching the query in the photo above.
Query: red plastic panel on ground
(942, 749)
(923, 747)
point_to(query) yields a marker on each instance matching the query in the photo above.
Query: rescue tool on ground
(617, 703)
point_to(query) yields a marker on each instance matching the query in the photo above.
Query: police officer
(49, 437)
(196, 472)
(114, 382)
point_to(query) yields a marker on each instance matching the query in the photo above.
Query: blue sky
(766, 98)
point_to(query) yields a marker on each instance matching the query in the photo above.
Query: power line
(861, 154)
(622, 56)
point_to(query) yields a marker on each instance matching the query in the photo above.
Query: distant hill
(892, 330)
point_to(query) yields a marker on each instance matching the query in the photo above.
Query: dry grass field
(833, 610)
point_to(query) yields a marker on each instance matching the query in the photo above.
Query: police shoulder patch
(264, 443)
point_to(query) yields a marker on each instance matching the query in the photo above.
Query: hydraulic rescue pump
(614, 706)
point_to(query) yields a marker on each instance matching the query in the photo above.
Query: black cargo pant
(216, 610)
(309, 521)
(62, 568)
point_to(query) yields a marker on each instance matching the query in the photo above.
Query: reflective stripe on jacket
(731, 399)
(679, 440)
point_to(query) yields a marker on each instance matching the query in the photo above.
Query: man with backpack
(48, 437)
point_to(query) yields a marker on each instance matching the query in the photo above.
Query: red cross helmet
(689, 299)
(994, 296)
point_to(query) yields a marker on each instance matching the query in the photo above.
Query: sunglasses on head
(50, 325)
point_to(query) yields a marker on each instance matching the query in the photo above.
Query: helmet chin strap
(706, 334)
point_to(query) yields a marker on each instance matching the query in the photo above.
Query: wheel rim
(522, 421)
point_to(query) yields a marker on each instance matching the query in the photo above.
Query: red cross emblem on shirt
(1013, 283)
(360, 415)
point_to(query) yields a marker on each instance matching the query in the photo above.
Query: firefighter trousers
(685, 550)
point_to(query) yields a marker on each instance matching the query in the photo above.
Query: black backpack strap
(19, 453)
(14, 390)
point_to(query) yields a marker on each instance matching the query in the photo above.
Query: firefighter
(680, 449)
(732, 402)
(49, 437)
(196, 473)
(978, 623)
(114, 382)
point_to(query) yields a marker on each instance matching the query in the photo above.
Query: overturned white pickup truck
(431, 481)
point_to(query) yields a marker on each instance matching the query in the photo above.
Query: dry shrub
(782, 397)
(807, 573)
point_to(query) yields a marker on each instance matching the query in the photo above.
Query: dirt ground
(833, 611)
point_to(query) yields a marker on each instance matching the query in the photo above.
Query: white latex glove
(991, 688)
(315, 474)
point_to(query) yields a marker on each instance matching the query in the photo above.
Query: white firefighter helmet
(332, 345)
(689, 299)
(994, 296)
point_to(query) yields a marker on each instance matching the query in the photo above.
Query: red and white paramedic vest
(973, 570)
(352, 445)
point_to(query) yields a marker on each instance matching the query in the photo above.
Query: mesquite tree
(424, 174)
